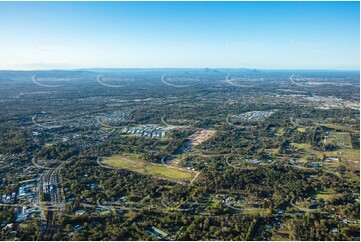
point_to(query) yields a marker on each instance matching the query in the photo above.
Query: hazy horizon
(255, 35)
(180, 68)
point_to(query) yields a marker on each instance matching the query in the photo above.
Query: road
(50, 184)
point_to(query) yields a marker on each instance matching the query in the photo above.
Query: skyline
(260, 35)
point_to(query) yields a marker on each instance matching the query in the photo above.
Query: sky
(264, 35)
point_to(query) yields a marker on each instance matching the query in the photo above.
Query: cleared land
(339, 127)
(302, 130)
(340, 139)
(137, 165)
(348, 154)
(201, 135)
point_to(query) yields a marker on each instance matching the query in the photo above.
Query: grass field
(105, 213)
(339, 127)
(280, 131)
(326, 195)
(274, 151)
(308, 151)
(340, 139)
(348, 154)
(135, 164)
(302, 130)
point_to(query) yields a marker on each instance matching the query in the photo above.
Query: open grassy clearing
(331, 165)
(307, 151)
(340, 139)
(280, 131)
(259, 211)
(326, 195)
(133, 163)
(302, 130)
(343, 138)
(273, 151)
(339, 127)
(105, 213)
(347, 154)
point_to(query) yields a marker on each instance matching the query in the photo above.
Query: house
(77, 227)
(8, 226)
(268, 227)
(332, 159)
(154, 234)
(160, 234)
(164, 234)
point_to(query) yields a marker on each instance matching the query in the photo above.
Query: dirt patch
(174, 162)
(201, 136)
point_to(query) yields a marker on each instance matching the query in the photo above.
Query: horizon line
(246, 68)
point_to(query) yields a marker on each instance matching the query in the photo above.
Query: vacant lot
(137, 165)
(201, 135)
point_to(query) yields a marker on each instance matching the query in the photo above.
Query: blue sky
(271, 35)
